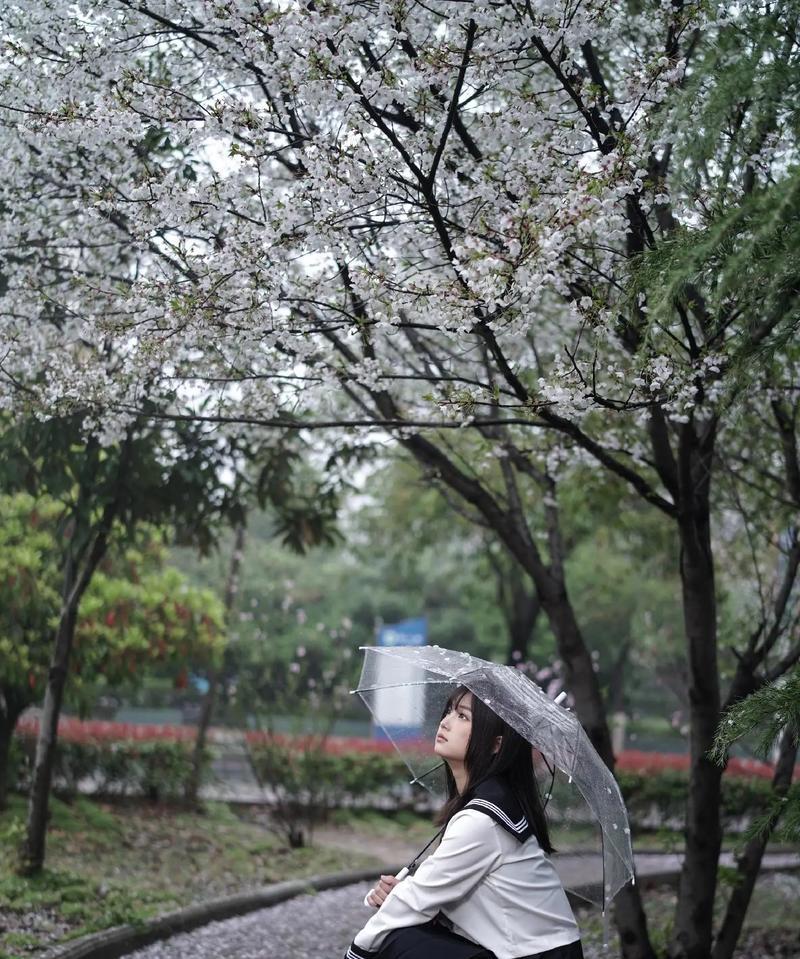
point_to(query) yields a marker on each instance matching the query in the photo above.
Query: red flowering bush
(108, 765)
(633, 761)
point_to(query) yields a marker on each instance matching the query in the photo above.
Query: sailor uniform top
(489, 878)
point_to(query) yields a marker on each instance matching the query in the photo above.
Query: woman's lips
(440, 736)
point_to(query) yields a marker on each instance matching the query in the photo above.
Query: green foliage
(344, 778)
(628, 605)
(29, 595)
(780, 817)
(319, 782)
(741, 83)
(136, 614)
(87, 905)
(155, 769)
(750, 253)
(307, 783)
(662, 796)
(769, 713)
(730, 129)
(157, 619)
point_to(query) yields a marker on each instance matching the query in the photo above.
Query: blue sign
(409, 632)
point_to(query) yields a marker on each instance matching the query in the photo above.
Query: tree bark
(520, 606)
(33, 848)
(76, 580)
(521, 616)
(12, 706)
(749, 863)
(698, 880)
(580, 677)
(210, 698)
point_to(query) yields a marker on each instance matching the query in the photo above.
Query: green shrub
(346, 778)
(660, 798)
(305, 783)
(157, 769)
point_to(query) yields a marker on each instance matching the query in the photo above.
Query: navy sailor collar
(496, 799)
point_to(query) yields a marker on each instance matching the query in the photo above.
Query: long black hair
(512, 762)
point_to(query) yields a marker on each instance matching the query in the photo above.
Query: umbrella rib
(422, 682)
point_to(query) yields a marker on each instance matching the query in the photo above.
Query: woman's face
(452, 737)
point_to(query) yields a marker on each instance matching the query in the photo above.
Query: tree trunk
(580, 675)
(698, 880)
(76, 579)
(11, 706)
(581, 679)
(616, 684)
(33, 848)
(749, 863)
(521, 612)
(209, 700)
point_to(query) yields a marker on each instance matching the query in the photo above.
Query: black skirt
(433, 941)
(430, 941)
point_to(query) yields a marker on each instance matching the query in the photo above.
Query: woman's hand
(381, 890)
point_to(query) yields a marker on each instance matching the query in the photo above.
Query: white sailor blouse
(489, 878)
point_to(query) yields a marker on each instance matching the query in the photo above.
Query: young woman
(489, 890)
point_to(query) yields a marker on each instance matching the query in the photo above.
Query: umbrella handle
(402, 874)
(560, 698)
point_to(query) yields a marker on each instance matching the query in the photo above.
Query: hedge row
(330, 780)
(155, 769)
(324, 779)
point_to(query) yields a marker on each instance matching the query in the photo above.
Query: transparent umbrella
(406, 688)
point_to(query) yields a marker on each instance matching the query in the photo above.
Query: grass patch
(110, 864)
(375, 822)
(771, 926)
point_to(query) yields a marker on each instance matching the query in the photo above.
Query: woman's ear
(498, 742)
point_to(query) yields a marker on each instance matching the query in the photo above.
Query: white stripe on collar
(518, 827)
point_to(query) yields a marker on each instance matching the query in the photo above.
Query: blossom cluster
(285, 210)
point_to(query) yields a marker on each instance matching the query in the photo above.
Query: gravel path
(321, 926)
(307, 927)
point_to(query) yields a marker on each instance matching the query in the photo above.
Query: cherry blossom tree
(566, 227)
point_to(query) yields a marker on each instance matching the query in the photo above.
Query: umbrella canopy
(406, 688)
